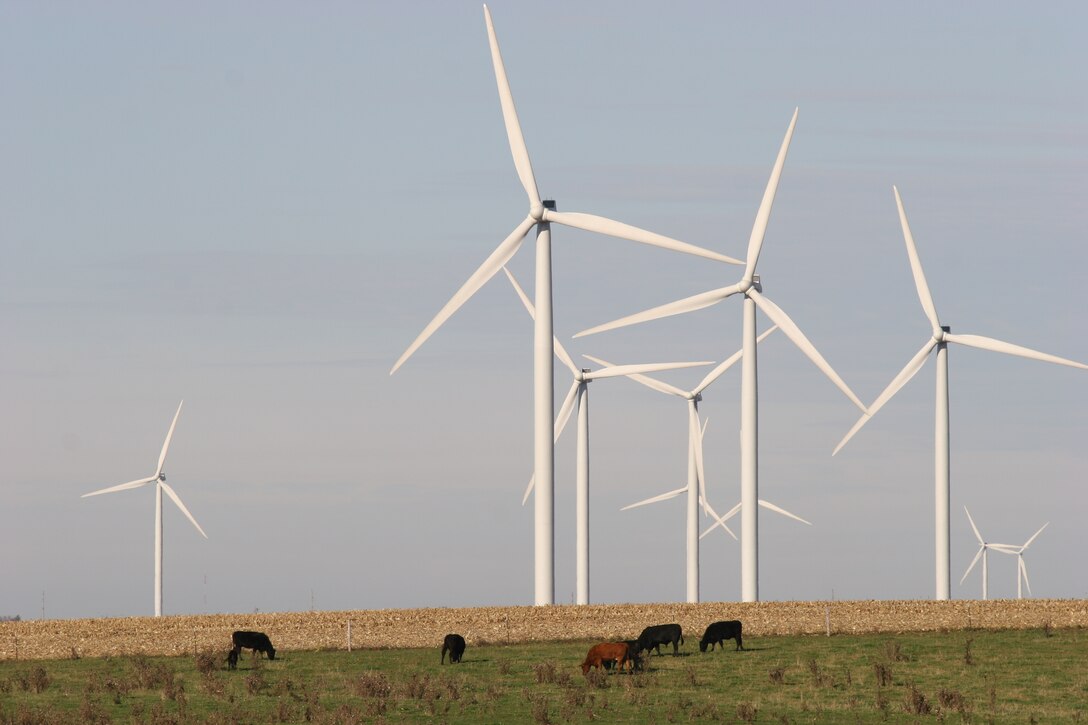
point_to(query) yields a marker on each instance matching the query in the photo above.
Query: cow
(659, 634)
(256, 641)
(605, 652)
(718, 632)
(633, 659)
(232, 659)
(455, 645)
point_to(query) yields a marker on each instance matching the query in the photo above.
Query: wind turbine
(940, 337)
(696, 485)
(749, 286)
(1021, 567)
(983, 553)
(541, 214)
(160, 485)
(579, 396)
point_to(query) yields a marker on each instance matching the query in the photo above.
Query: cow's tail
(681, 636)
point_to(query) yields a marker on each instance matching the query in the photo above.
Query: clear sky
(257, 206)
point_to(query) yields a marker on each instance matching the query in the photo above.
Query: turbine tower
(578, 395)
(160, 485)
(750, 288)
(541, 215)
(941, 335)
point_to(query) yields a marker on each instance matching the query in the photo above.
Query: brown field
(396, 628)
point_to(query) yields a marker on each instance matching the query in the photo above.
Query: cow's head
(271, 653)
(702, 646)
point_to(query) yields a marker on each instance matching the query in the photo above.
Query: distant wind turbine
(160, 485)
(983, 553)
(541, 214)
(579, 396)
(941, 335)
(1021, 567)
(750, 288)
(696, 485)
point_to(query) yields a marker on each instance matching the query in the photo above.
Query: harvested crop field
(396, 628)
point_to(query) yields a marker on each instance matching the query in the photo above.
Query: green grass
(954, 677)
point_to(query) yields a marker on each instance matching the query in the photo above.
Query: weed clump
(916, 702)
(883, 674)
(778, 675)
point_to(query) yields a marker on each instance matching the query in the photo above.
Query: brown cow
(605, 652)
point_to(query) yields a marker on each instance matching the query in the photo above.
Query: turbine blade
(486, 271)
(793, 332)
(973, 562)
(1033, 536)
(916, 267)
(688, 304)
(649, 382)
(170, 492)
(1024, 572)
(909, 371)
(566, 409)
(718, 521)
(601, 225)
(655, 499)
(518, 148)
(1004, 548)
(121, 487)
(717, 372)
(988, 343)
(763, 216)
(626, 370)
(973, 527)
(560, 351)
(695, 440)
(166, 443)
(528, 489)
(784, 512)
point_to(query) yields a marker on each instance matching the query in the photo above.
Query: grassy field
(1025, 676)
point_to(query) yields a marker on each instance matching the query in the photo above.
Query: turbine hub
(747, 284)
(939, 333)
(162, 476)
(537, 211)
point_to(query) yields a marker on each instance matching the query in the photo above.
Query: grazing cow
(455, 645)
(718, 632)
(659, 634)
(605, 652)
(256, 641)
(232, 659)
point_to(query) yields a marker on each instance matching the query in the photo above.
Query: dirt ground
(395, 628)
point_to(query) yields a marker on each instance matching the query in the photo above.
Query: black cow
(256, 641)
(718, 632)
(657, 635)
(455, 645)
(232, 659)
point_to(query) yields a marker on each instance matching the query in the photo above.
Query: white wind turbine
(541, 214)
(983, 553)
(1021, 567)
(749, 286)
(578, 395)
(696, 482)
(939, 339)
(160, 485)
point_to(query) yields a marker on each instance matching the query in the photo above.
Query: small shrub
(747, 712)
(540, 710)
(689, 672)
(372, 684)
(916, 702)
(91, 713)
(417, 685)
(893, 652)
(882, 704)
(206, 662)
(968, 659)
(597, 678)
(38, 680)
(883, 674)
(255, 682)
(545, 672)
(952, 701)
(778, 675)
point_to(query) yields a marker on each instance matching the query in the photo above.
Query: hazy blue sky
(257, 206)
